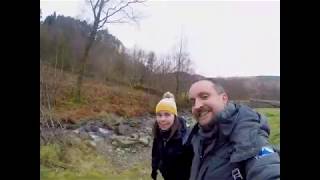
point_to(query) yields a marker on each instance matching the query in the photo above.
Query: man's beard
(210, 124)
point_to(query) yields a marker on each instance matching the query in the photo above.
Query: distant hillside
(62, 42)
(260, 87)
(239, 88)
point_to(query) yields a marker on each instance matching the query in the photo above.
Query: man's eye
(166, 114)
(204, 96)
(192, 101)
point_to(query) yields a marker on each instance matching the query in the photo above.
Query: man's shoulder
(246, 112)
(249, 119)
(249, 134)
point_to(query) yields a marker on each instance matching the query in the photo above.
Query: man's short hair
(216, 85)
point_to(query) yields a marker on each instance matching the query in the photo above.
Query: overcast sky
(224, 38)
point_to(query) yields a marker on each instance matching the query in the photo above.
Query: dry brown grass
(97, 97)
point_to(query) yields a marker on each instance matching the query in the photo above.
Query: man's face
(206, 101)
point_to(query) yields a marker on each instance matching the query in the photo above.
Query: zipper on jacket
(200, 151)
(164, 142)
(200, 155)
(200, 158)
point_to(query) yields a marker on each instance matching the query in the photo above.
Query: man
(230, 141)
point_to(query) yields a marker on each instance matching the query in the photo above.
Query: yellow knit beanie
(167, 103)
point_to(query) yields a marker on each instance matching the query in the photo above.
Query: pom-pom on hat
(167, 103)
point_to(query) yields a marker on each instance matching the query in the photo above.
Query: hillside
(98, 98)
(238, 88)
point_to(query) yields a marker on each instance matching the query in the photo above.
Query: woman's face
(164, 119)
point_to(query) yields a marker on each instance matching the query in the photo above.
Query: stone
(124, 129)
(144, 140)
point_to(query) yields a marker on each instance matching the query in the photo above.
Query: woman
(170, 155)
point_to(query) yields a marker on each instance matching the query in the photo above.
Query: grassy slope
(80, 161)
(273, 115)
(97, 97)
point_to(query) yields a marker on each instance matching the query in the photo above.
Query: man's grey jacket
(241, 149)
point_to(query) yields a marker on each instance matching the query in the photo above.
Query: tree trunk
(83, 63)
(86, 52)
(178, 83)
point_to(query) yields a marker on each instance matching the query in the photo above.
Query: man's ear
(225, 98)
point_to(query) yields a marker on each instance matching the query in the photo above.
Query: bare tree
(104, 11)
(137, 57)
(150, 68)
(182, 63)
(49, 89)
(163, 67)
(151, 61)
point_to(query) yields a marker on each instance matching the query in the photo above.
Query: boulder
(125, 129)
(95, 137)
(144, 140)
(123, 141)
(134, 136)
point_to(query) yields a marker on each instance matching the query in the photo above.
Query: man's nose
(197, 104)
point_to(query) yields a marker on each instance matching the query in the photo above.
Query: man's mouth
(202, 113)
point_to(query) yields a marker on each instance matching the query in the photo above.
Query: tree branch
(93, 7)
(130, 16)
(120, 20)
(104, 21)
(108, 10)
(116, 9)
(97, 20)
(124, 6)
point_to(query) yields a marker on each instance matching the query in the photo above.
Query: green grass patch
(273, 116)
(81, 162)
